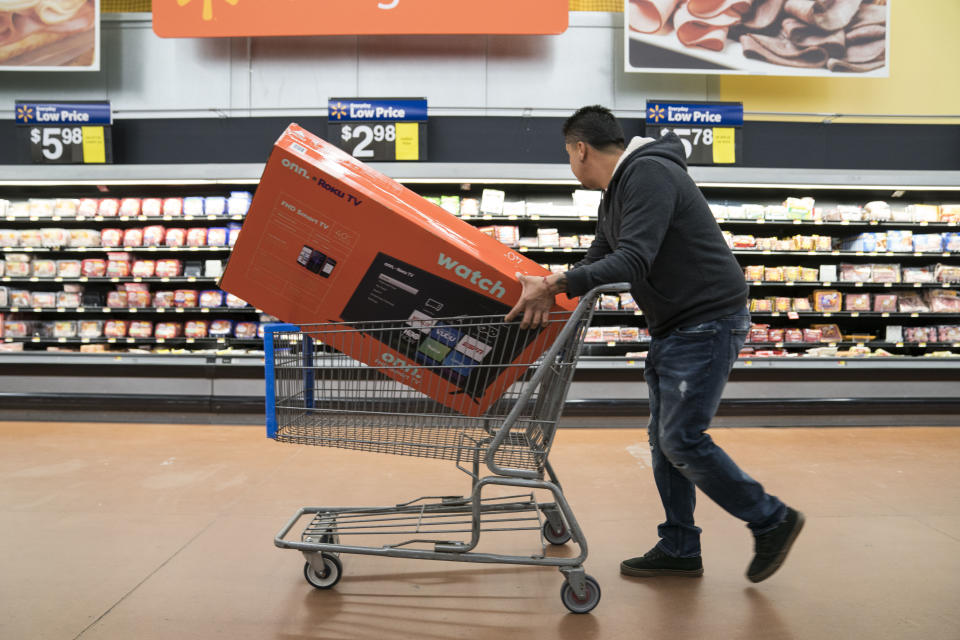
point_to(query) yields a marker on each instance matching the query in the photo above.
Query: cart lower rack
(319, 395)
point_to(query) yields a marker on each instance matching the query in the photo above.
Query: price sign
(66, 133)
(379, 130)
(710, 132)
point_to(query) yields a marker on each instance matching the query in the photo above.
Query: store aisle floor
(114, 531)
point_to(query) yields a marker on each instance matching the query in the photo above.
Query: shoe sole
(769, 571)
(653, 573)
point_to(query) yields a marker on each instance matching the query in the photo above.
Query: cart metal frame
(330, 399)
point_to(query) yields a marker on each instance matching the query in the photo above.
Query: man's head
(594, 142)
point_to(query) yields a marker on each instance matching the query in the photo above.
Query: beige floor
(156, 531)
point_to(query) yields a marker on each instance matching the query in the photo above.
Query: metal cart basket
(320, 396)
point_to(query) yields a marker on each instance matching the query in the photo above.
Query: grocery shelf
(32, 220)
(112, 279)
(175, 342)
(151, 249)
(143, 310)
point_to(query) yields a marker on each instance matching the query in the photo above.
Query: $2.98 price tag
(379, 142)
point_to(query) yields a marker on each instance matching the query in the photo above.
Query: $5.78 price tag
(69, 145)
(707, 145)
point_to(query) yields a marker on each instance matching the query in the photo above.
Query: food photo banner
(49, 35)
(824, 38)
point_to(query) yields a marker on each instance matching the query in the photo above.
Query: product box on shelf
(329, 239)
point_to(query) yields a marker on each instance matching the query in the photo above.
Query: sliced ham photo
(40, 33)
(834, 35)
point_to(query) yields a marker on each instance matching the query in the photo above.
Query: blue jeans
(686, 372)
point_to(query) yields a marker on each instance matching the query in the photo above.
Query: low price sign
(710, 131)
(66, 132)
(379, 130)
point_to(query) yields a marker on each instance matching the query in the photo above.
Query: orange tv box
(328, 239)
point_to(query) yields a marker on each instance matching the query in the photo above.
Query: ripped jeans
(686, 372)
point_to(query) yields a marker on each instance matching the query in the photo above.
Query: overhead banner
(49, 35)
(825, 38)
(230, 18)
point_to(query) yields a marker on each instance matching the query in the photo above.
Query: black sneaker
(772, 547)
(656, 563)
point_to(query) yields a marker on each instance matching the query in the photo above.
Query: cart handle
(584, 307)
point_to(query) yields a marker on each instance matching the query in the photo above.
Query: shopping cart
(317, 395)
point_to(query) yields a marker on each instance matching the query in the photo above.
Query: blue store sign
(376, 110)
(692, 114)
(63, 113)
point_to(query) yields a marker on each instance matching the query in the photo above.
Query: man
(656, 231)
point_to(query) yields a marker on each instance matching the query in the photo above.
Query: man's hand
(536, 300)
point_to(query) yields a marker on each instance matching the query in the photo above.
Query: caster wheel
(555, 536)
(581, 605)
(332, 570)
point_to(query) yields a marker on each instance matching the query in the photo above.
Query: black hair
(596, 126)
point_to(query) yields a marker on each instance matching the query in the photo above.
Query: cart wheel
(587, 603)
(332, 570)
(556, 536)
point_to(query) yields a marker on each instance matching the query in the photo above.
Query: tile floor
(121, 531)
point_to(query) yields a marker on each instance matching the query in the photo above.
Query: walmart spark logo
(25, 114)
(207, 12)
(338, 111)
(656, 113)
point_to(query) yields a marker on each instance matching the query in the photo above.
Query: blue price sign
(66, 132)
(379, 129)
(710, 132)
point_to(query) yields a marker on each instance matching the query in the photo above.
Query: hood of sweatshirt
(669, 147)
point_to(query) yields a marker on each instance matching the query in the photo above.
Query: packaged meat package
(84, 238)
(135, 286)
(197, 237)
(173, 207)
(767, 244)
(775, 335)
(215, 206)
(951, 242)
(139, 299)
(65, 329)
(54, 238)
(744, 242)
(809, 274)
(68, 299)
(212, 268)
(44, 299)
(118, 268)
(31, 238)
(117, 299)
(924, 212)
(211, 298)
(42, 207)
(885, 303)
(928, 242)
(111, 237)
(88, 207)
(239, 203)
(877, 210)
(108, 208)
(758, 333)
(947, 273)
(866, 242)
(130, 207)
(185, 298)
(19, 209)
(773, 274)
(175, 237)
(829, 332)
(900, 241)
(918, 274)
(629, 334)
(812, 335)
(753, 273)
(949, 333)
(627, 303)
(196, 329)
(168, 268)
(609, 302)
(856, 272)
(217, 237)
(586, 240)
(152, 207)
(3, 268)
(775, 212)
(857, 302)
(4, 297)
(791, 274)
(826, 300)
(17, 268)
(220, 328)
(90, 328)
(792, 335)
(66, 207)
(144, 268)
(163, 299)
(93, 267)
(261, 330)
(133, 237)
(9, 238)
(594, 334)
(943, 301)
(233, 302)
(910, 302)
(801, 305)
(140, 329)
(17, 329)
(193, 206)
(115, 329)
(761, 305)
(781, 304)
(44, 268)
(920, 334)
(167, 330)
(950, 213)
(885, 273)
(153, 235)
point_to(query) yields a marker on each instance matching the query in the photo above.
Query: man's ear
(582, 150)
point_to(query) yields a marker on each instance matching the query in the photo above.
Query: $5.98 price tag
(66, 133)
(67, 144)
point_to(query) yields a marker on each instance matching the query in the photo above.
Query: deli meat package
(328, 239)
